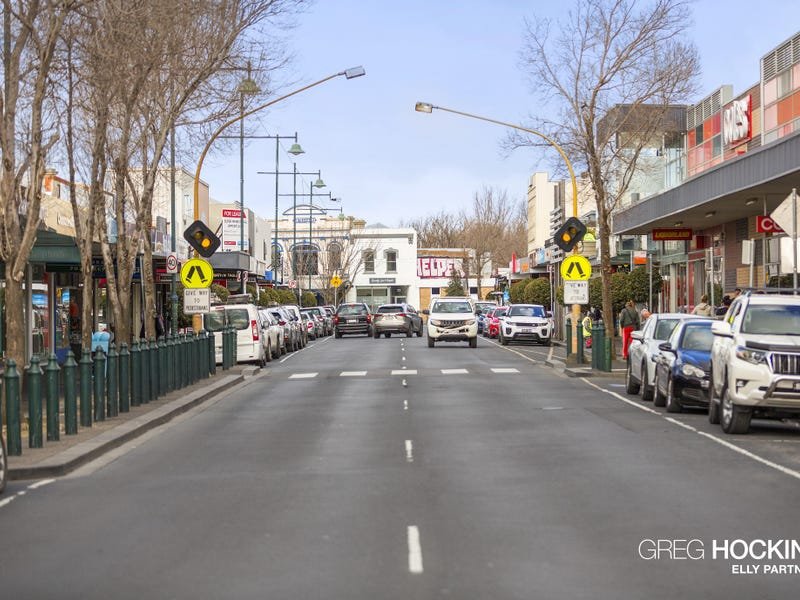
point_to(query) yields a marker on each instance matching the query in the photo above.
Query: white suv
(452, 319)
(525, 322)
(755, 362)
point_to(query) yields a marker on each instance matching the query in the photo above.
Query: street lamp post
(350, 73)
(426, 107)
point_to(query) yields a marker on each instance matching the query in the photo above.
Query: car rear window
(352, 309)
(664, 328)
(390, 309)
(214, 321)
(239, 318)
(697, 337)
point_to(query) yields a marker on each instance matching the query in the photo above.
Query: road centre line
(713, 438)
(454, 371)
(414, 550)
(404, 371)
(409, 451)
(352, 374)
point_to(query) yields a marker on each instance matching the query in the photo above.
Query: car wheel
(647, 390)
(3, 464)
(419, 331)
(631, 387)
(338, 334)
(388, 335)
(268, 355)
(503, 339)
(410, 331)
(547, 342)
(713, 402)
(431, 342)
(473, 342)
(673, 405)
(734, 419)
(658, 398)
(262, 360)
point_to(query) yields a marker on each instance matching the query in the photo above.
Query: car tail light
(336, 319)
(254, 327)
(369, 318)
(403, 315)
(281, 323)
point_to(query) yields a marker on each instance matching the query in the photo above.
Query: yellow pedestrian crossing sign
(576, 268)
(197, 273)
(336, 281)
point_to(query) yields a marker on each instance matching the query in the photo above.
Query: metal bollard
(35, 404)
(124, 378)
(153, 369)
(161, 352)
(169, 349)
(568, 335)
(136, 374)
(145, 372)
(99, 385)
(212, 353)
(198, 361)
(579, 333)
(70, 395)
(51, 383)
(85, 366)
(191, 363)
(13, 429)
(181, 360)
(112, 381)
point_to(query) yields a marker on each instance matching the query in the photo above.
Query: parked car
(683, 365)
(482, 309)
(755, 362)
(294, 312)
(525, 322)
(640, 370)
(353, 318)
(290, 331)
(3, 462)
(274, 333)
(312, 327)
(326, 324)
(493, 321)
(247, 322)
(397, 318)
(452, 319)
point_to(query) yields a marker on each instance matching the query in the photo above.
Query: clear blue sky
(386, 161)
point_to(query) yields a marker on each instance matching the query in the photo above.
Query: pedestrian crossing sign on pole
(197, 273)
(576, 268)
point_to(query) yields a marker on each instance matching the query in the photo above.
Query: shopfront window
(372, 297)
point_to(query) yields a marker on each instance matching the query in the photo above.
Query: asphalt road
(369, 469)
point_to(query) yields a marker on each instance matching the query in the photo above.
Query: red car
(493, 322)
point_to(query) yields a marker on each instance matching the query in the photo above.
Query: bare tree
(27, 134)
(611, 71)
(441, 230)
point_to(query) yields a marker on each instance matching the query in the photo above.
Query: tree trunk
(15, 323)
(149, 308)
(605, 266)
(87, 308)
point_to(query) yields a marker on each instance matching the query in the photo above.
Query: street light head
(319, 183)
(248, 86)
(424, 107)
(296, 149)
(354, 72)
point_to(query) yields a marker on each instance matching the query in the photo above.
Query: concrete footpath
(558, 361)
(58, 458)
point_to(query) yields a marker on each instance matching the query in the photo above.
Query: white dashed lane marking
(404, 371)
(414, 550)
(409, 451)
(353, 374)
(505, 370)
(302, 376)
(454, 371)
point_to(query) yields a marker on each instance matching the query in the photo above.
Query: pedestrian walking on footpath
(703, 308)
(628, 323)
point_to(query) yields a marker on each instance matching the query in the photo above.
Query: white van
(247, 321)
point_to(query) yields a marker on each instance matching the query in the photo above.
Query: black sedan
(683, 366)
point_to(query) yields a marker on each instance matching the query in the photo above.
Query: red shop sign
(765, 224)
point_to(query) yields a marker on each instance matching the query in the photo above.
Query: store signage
(765, 224)
(736, 121)
(432, 267)
(384, 280)
(232, 221)
(675, 233)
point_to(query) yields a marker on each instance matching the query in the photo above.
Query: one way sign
(576, 268)
(197, 274)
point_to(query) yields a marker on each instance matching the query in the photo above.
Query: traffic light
(569, 234)
(201, 238)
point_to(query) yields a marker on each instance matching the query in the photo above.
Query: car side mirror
(666, 347)
(636, 335)
(426, 312)
(548, 314)
(722, 329)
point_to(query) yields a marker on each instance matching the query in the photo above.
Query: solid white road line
(454, 371)
(352, 374)
(409, 451)
(404, 371)
(713, 438)
(7, 501)
(414, 550)
(303, 375)
(41, 483)
(505, 370)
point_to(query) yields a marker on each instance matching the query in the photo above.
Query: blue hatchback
(683, 366)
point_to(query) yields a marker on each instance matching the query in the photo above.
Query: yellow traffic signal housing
(201, 238)
(569, 234)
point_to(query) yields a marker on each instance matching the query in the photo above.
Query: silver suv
(755, 362)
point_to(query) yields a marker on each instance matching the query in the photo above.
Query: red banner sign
(765, 224)
(676, 233)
